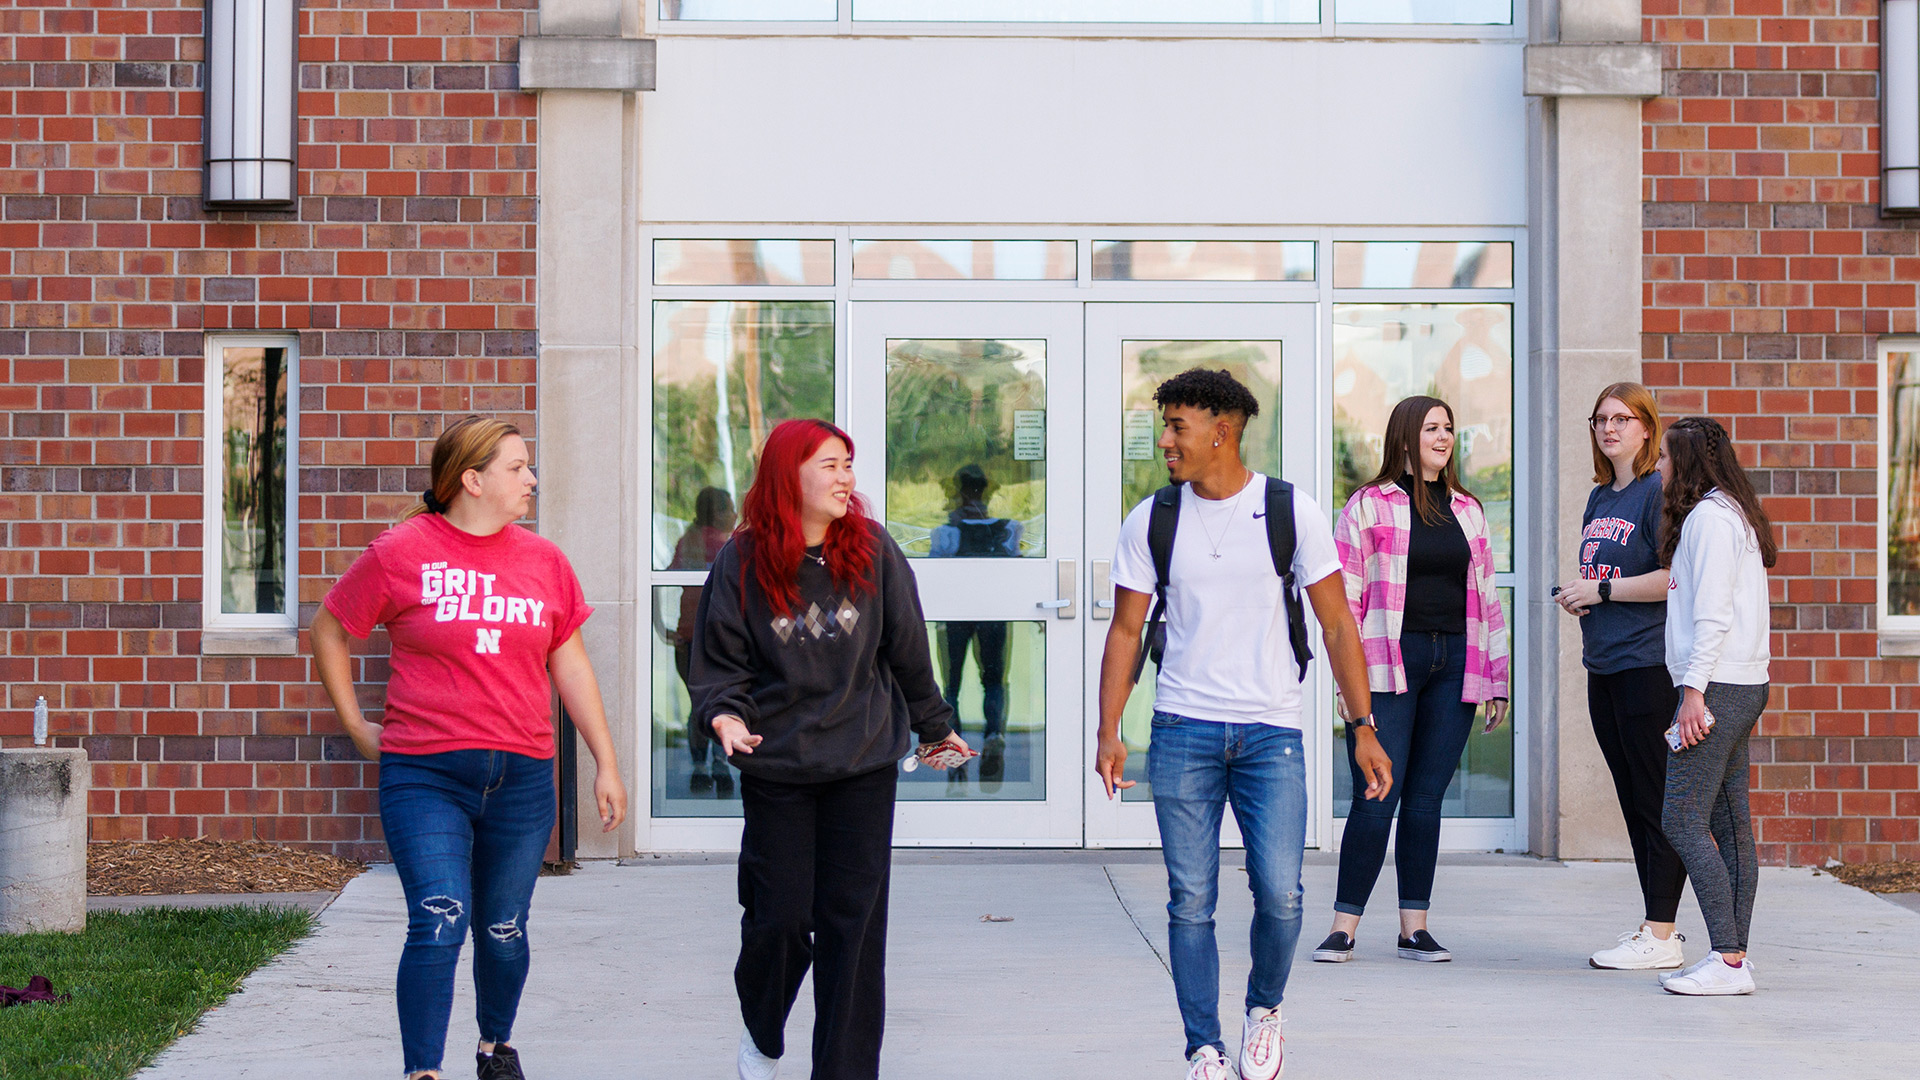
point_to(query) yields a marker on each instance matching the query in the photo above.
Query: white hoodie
(1718, 617)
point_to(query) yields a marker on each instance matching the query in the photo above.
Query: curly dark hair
(1700, 458)
(1203, 388)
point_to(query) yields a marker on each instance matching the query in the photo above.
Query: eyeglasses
(1609, 423)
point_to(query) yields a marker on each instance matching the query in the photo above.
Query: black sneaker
(1337, 949)
(502, 1064)
(1421, 946)
(699, 781)
(722, 780)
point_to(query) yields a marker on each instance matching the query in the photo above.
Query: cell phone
(1673, 733)
(938, 756)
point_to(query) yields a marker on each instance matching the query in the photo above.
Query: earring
(1216, 442)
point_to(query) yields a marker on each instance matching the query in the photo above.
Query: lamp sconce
(252, 57)
(1900, 107)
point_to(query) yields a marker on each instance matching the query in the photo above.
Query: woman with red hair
(811, 670)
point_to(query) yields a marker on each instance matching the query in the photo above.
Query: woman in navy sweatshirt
(812, 673)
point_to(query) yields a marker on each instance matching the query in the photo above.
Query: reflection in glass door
(968, 420)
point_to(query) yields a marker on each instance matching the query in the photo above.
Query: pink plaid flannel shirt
(1373, 534)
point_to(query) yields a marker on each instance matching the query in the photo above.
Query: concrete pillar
(43, 840)
(1587, 73)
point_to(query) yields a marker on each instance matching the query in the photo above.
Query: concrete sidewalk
(632, 980)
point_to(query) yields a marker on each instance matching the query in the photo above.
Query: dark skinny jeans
(1423, 732)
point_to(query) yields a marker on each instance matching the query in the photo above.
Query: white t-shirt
(1229, 658)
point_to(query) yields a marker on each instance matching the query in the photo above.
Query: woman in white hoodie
(1718, 543)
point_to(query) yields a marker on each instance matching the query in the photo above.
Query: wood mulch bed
(1879, 877)
(165, 867)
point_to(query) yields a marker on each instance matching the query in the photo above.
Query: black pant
(992, 655)
(1631, 711)
(815, 862)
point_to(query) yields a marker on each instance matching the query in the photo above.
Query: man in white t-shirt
(1228, 707)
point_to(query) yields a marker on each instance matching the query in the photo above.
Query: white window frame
(213, 464)
(845, 25)
(1899, 634)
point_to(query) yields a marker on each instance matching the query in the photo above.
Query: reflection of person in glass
(811, 669)
(713, 519)
(972, 532)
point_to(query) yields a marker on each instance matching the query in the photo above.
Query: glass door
(1131, 349)
(969, 424)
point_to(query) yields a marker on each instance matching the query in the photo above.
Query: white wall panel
(1150, 132)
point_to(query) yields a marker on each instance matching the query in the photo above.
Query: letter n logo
(489, 641)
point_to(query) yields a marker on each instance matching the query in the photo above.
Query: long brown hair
(770, 518)
(1700, 459)
(1639, 400)
(472, 443)
(1400, 453)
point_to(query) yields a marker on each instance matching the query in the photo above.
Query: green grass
(139, 981)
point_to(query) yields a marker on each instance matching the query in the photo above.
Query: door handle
(1102, 589)
(1067, 581)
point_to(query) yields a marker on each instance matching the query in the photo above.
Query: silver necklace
(1232, 508)
(821, 559)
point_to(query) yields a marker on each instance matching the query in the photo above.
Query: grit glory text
(458, 595)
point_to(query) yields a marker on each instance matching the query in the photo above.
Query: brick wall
(408, 270)
(1769, 276)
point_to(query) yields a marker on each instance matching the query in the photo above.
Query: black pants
(1631, 711)
(815, 862)
(992, 655)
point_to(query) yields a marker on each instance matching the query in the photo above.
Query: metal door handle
(1102, 589)
(1066, 582)
(1052, 605)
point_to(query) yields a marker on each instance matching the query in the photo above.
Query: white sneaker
(1712, 977)
(1640, 951)
(1208, 1064)
(755, 1065)
(1690, 969)
(1263, 1052)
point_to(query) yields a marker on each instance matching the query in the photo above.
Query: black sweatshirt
(833, 687)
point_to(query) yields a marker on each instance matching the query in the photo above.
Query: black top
(833, 687)
(1437, 561)
(1620, 538)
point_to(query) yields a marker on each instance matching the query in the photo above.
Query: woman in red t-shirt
(481, 614)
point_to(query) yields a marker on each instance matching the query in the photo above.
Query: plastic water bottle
(40, 722)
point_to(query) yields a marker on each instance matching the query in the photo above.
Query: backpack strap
(1281, 544)
(1163, 520)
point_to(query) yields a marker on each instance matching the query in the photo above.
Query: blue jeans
(1196, 767)
(467, 829)
(1423, 732)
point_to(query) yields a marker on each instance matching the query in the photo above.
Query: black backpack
(983, 538)
(1164, 520)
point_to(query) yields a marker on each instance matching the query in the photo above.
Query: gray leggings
(1706, 817)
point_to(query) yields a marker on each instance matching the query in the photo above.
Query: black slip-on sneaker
(1421, 946)
(502, 1064)
(1337, 949)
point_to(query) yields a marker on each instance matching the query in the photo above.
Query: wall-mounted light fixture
(1900, 106)
(250, 87)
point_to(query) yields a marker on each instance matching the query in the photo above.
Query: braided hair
(1700, 459)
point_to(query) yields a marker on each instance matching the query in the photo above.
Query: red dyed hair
(770, 514)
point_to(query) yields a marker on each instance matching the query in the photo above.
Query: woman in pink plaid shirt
(1419, 569)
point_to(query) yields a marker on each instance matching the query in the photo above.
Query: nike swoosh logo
(1261, 514)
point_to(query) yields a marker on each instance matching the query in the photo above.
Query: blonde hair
(1639, 400)
(472, 443)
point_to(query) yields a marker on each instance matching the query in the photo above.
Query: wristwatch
(1606, 589)
(1364, 721)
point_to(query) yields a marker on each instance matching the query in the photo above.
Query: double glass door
(1002, 444)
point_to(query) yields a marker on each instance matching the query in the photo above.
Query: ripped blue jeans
(467, 829)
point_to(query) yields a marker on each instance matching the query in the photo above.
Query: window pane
(743, 262)
(253, 497)
(1483, 786)
(1096, 11)
(1903, 483)
(1203, 260)
(1459, 12)
(994, 675)
(691, 777)
(1390, 264)
(751, 10)
(964, 260)
(724, 373)
(1459, 353)
(967, 447)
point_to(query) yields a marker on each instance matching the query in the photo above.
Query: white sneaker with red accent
(1263, 1052)
(1207, 1063)
(1712, 978)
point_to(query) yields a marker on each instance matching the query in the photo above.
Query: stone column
(588, 72)
(1588, 74)
(43, 840)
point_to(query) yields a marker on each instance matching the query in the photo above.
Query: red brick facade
(408, 270)
(1769, 276)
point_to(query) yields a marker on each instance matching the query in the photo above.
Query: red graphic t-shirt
(472, 619)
